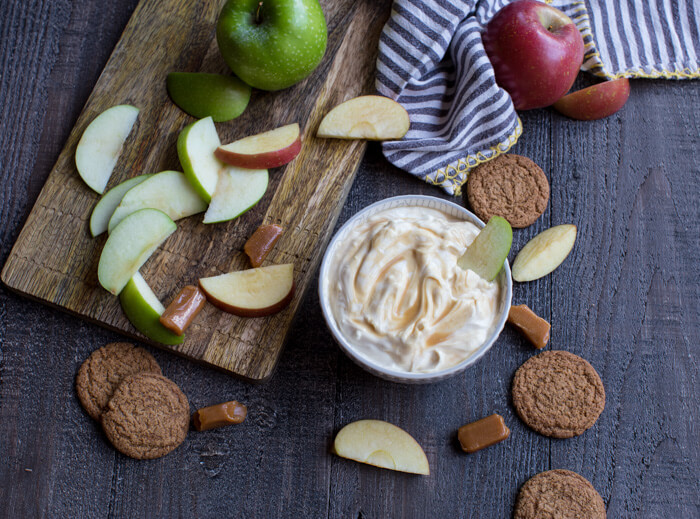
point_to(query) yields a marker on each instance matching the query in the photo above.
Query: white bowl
(503, 279)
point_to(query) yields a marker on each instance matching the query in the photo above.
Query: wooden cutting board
(55, 259)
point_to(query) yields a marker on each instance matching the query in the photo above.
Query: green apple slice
(489, 250)
(130, 244)
(167, 191)
(104, 209)
(143, 309)
(237, 191)
(202, 95)
(101, 144)
(196, 145)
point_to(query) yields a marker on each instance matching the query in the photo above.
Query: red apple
(595, 102)
(536, 52)
(251, 293)
(264, 150)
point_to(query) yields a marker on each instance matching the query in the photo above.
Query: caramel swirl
(399, 297)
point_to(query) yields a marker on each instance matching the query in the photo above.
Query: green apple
(130, 244)
(104, 209)
(167, 191)
(272, 44)
(143, 309)
(489, 250)
(196, 145)
(101, 144)
(201, 95)
(237, 191)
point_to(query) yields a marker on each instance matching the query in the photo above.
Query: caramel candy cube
(184, 308)
(530, 325)
(261, 242)
(483, 433)
(226, 413)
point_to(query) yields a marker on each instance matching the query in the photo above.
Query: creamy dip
(399, 297)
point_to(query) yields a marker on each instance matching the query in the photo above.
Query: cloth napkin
(432, 61)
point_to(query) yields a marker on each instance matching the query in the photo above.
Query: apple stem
(257, 13)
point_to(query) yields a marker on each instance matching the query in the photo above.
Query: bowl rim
(369, 365)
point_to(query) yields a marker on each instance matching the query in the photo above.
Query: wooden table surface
(626, 300)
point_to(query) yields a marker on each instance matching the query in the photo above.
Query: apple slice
(202, 95)
(195, 147)
(167, 191)
(489, 250)
(381, 444)
(101, 144)
(130, 244)
(264, 150)
(251, 293)
(545, 252)
(375, 118)
(595, 102)
(143, 309)
(237, 191)
(104, 209)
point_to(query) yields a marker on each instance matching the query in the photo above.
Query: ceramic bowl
(504, 280)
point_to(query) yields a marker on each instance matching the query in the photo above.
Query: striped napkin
(432, 61)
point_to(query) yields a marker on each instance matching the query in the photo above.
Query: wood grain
(54, 259)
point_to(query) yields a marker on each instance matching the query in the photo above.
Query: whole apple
(536, 52)
(272, 44)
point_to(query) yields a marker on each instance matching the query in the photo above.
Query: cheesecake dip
(398, 297)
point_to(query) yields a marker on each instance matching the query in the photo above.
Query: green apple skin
(196, 145)
(487, 254)
(272, 44)
(143, 309)
(202, 95)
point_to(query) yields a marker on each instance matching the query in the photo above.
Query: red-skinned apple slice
(251, 293)
(263, 151)
(595, 102)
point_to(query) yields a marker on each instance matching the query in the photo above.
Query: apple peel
(143, 309)
(254, 292)
(595, 102)
(265, 150)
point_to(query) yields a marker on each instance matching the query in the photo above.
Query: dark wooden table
(626, 300)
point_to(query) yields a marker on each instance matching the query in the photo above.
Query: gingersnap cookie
(147, 417)
(559, 494)
(510, 186)
(558, 394)
(102, 371)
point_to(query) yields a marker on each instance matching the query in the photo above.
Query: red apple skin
(595, 102)
(267, 160)
(251, 312)
(534, 64)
